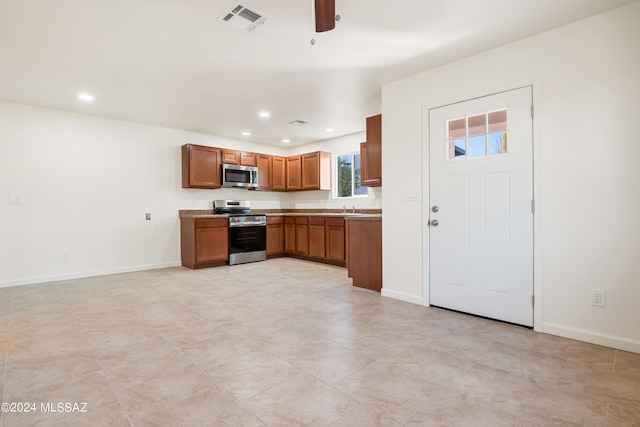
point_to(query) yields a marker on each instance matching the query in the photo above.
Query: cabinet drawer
(212, 222)
(316, 220)
(274, 220)
(303, 220)
(289, 219)
(335, 222)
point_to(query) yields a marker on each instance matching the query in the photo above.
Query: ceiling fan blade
(325, 15)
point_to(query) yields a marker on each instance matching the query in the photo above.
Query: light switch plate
(410, 195)
(16, 199)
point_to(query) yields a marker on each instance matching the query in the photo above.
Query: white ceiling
(173, 63)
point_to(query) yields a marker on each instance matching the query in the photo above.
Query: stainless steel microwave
(239, 176)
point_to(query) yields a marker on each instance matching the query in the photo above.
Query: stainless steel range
(247, 231)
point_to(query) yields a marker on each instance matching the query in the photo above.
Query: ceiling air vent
(242, 17)
(298, 123)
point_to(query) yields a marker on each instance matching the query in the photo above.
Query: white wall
(87, 183)
(586, 79)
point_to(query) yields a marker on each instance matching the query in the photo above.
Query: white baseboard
(83, 274)
(402, 296)
(597, 338)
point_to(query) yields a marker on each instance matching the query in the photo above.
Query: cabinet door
(200, 167)
(316, 237)
(302, 236)
(248, 159)
(279, 175)
(212, 244)
(290, 235)
(231, 157)
(316, 171)
(275, 235)
(335, 236)
(371, 155)
(294, 173)
(264, 171)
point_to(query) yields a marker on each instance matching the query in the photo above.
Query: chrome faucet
(344, 209)
(353, 209)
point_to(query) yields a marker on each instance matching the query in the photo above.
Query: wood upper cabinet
(264, 172)
(278, 173)
(316, 171)
(204, 242)
(236, 157)
(275, 235)
(200, 167)
(371, 153)
(316, 237)
(294, 172)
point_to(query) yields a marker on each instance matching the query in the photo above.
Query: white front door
(481, 206)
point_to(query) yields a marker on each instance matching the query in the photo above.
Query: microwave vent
(242, 17)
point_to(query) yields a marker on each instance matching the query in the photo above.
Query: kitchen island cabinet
(204, 242)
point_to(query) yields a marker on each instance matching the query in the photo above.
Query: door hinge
(533, 206)
(532, 111)
(533, 301)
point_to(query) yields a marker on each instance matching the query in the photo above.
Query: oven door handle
(247, 224)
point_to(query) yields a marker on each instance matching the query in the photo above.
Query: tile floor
(288, 342)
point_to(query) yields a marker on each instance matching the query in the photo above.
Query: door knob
(434, 222)
(435, 209)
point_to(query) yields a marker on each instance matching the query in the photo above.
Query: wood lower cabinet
(316, 238)
(364, 260)
(290, 235)
(302, 235)
(204, 242)
(201, 166)
(275, 236)
(317, 241)
(335, 238)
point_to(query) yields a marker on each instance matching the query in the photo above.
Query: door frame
(535, 84)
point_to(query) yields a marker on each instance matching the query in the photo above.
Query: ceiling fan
(325, 13)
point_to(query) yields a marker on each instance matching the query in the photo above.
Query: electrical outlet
(147, 216)
(598, 298)
(65, 257)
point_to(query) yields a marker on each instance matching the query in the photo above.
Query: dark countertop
(360, 214)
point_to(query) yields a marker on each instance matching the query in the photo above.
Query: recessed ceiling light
(330, 129)
(246, 133)
(286, 141)
(264, 114)
(86, 97)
